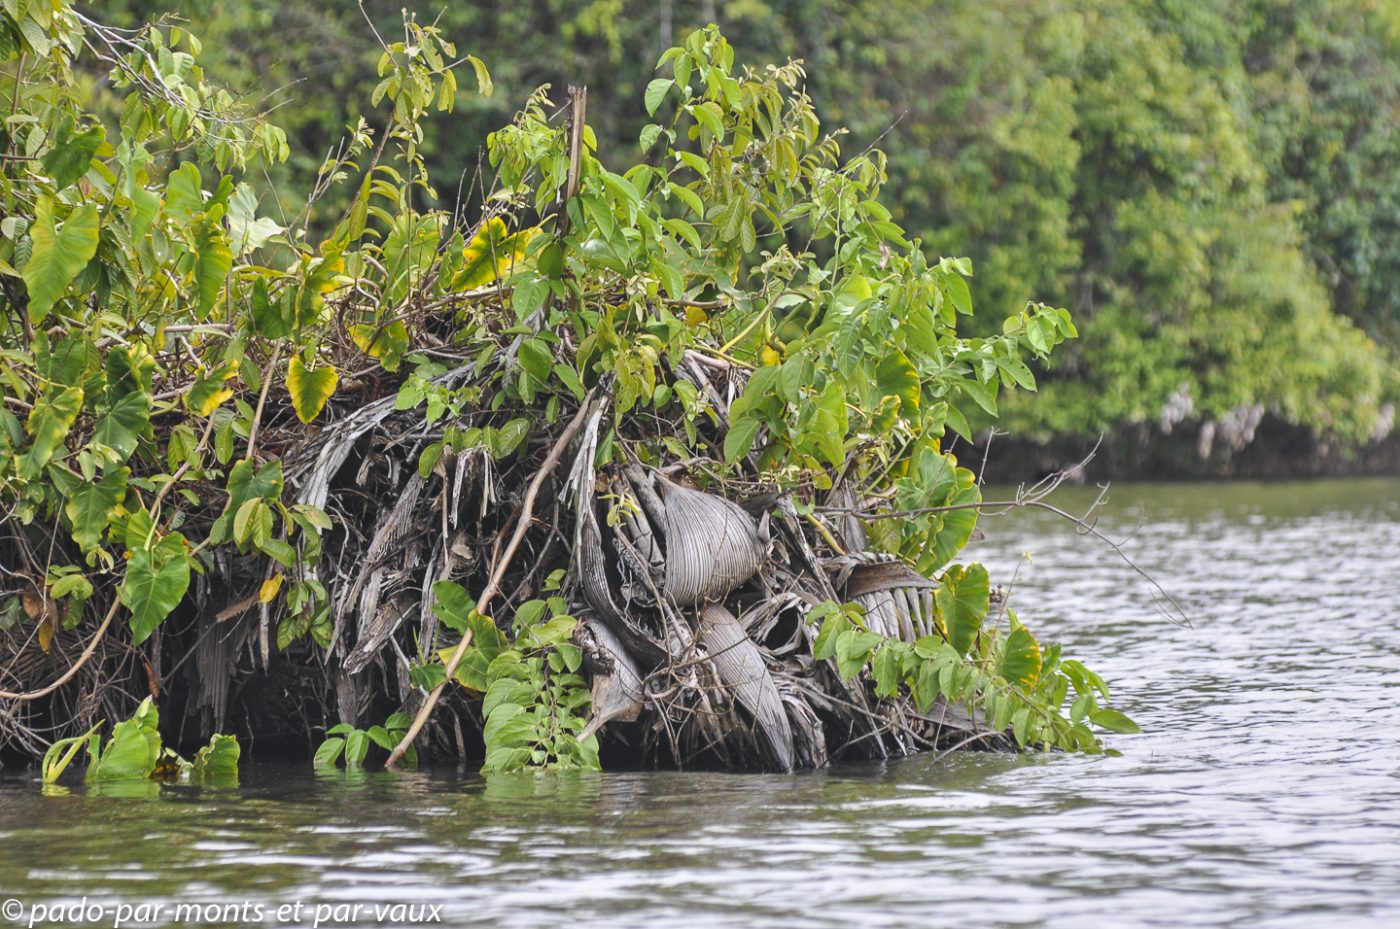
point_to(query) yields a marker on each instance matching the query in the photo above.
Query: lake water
(1264, 792)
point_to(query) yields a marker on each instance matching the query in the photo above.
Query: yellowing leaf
(208, 392)
(491, 255)
(309, 389)
(49, 423)
(268, 591)
(214, 261)
(386, 342)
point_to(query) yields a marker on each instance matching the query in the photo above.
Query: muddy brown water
(1265, 790)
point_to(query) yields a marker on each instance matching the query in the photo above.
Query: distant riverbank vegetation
(517, 458)
(1211, 188)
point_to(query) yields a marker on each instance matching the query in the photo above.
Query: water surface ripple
(1265, 791)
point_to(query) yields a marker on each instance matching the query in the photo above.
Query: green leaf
(271, 318)
(964, 593)
(48, 424)
(213, 262)
(824, 646)
(69, 160)
(529, 294)
(92, 504)
(217, 762)
(451, 604)
(536, 359)
(121, 427)
(356, 748)
(1113, 721)
(184, 195)
(887, 666)
(656, 92)
(984, 395)
(252, 522)
(1020, 658)
(958, 292)
(57, 255)
(1021, 725)
(926, 688)
(244, 483)
(328, 753)
(156, 581)
(740, 438)
(309, 389)
(130, 754)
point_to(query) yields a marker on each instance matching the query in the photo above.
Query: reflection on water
(1265, 791)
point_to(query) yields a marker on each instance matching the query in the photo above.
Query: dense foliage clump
(334, 467)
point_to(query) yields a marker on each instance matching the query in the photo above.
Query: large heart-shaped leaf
(90, 507)
(245, 484)
(156, 581)
(71, 157)
(48, 424)
(58, 254)
(964, 593)
(122, 425)
(309, 389)
(1020, 658)
(130, 755)
(213, 262)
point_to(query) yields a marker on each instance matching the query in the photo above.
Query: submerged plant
(134, 752)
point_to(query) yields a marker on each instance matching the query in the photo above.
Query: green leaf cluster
(533, 698)
(134, 752)
(1004, 677)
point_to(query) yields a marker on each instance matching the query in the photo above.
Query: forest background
(1212, 188)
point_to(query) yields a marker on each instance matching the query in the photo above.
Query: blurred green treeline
(1213, 188)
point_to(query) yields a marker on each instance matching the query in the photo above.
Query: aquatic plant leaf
(132, 751)
(356, 748)
(217, 762)
(329, 752)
